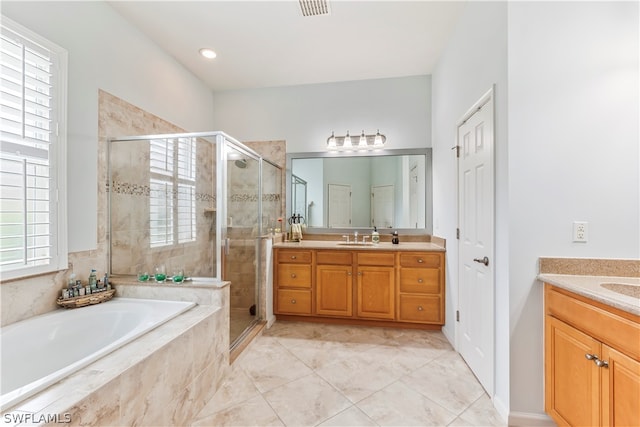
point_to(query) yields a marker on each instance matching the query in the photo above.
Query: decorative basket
(84, 300)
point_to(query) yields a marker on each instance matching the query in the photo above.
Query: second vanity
(384, 284)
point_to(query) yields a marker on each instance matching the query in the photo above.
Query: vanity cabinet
(592, 362)
(293, 276)
(421, 287)
(381, 287)
(334, 283)
(376, 285)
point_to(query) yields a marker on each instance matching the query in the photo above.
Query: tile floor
(306, 374)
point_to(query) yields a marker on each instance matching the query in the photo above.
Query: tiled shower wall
(130, 213)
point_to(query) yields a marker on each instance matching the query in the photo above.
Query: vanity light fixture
(207, 53)
(365, 142)
(347, 141)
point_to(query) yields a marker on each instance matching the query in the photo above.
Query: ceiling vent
(314, 7)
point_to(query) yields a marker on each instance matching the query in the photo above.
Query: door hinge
(458, 233)
(457, 315)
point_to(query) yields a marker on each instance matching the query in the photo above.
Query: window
(173, 191)
(33, 234)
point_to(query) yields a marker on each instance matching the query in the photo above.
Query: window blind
(173, 191)
(30, 74)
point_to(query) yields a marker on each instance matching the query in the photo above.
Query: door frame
(488, 96)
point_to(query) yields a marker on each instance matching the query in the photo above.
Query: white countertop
(382, 246)
(589, 286)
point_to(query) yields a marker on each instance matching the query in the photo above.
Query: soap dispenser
(375, 236)
(394, 238)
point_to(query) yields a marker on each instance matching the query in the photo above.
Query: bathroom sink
(623, 288)
(355, 244)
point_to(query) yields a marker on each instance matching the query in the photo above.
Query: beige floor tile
(350, 417)
(447, 381)
(306, 401)
(317, 354)
(398, 405)
(253, 412)
(361, 376)
(268, 364)
(300, 374)
(482, 413)
(235, 389)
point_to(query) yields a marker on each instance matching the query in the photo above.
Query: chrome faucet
(355, 237)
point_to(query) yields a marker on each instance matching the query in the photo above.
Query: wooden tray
(84, 300)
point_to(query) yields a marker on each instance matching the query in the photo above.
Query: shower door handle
(227, 243)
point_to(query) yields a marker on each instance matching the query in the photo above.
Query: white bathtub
(40, 351)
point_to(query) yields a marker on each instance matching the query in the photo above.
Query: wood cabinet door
(376, 292)
(334, 290)
(620, 389)
(572, 382)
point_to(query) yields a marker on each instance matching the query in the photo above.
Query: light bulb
(331, 142)
(363, 140)
(207, 53)
(378, 141)
(347, 141)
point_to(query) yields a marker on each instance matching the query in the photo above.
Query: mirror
(389, 189)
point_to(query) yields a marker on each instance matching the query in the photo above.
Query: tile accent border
(590, 266)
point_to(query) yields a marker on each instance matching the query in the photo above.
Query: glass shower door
(242, 235)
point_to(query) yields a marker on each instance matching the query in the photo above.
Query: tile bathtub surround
(163, 378)
(299, 373)
(590, 267)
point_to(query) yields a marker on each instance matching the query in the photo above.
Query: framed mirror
(388, 189)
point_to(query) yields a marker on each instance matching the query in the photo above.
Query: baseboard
(530, 419)
(502, 409)
(445, 332)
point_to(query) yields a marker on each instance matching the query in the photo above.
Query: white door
(382, 203)
(339, 200)
(475, 333)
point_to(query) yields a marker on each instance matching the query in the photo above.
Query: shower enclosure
(200, 203)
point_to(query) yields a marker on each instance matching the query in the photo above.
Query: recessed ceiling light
(207, 53)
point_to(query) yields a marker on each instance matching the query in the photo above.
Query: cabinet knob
(359, 273)
(349, 273)
(293, 301)
(420, 280)
(420, 260)
(420, 308)
(293, 257)
(293, 275)
(601, 363)
(590, 356)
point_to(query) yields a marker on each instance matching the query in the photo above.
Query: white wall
(106, 52)
(305, 115)
(573, 155)
(474, 60)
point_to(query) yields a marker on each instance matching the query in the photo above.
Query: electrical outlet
(580, 229)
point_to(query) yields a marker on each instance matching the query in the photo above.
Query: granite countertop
(382, 246)
(590, 287)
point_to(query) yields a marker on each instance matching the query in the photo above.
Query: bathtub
(40, 351)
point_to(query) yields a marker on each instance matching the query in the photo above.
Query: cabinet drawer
(613, 330)
(420, 280)
(292, 301)
(377, 258)
(412, 259)
(294, 275)
(420, 308)
(334, 257)
(294, 256)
